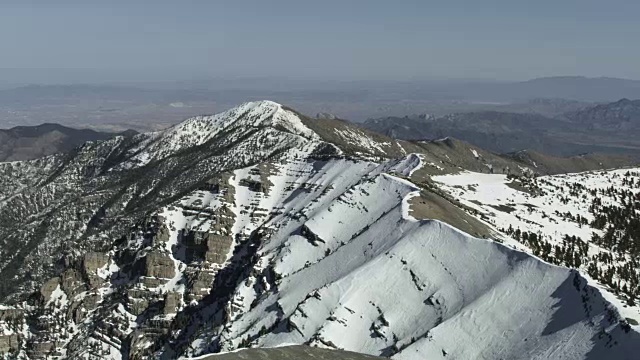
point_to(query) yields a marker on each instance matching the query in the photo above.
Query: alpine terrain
(611, 128)
(260, 227)
(31, 142)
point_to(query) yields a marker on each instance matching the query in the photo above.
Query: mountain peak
(264, 122)
(252, 114)
(255, 233)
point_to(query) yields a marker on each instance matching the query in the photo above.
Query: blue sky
(411, 39)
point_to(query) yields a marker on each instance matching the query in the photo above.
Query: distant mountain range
(152, 106)
(575, 88)
(30, 142)
(620, 116)
(607, 128)
(552, 126)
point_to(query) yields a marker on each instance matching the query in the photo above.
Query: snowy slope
(351, 269)
(550, 211)
(200, 129)
(357, 273)
(230, 231)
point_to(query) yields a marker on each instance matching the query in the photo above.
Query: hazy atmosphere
(308, 180)
(138, 41)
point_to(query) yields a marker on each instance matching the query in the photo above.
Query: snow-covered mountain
(261, 227)
(566, 219)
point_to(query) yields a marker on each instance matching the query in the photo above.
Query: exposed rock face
(200, 281)
(137, 301)
(78, 310)
(10, 314)
(40, 349)
(163, 234)
(49, 287)
(172, 301)
(159, 265)
(90, 264)
(9, 343)
(217, 247)
(72, 283)
(93, 261)
(194, 260)
(11, 320)
(253, 185)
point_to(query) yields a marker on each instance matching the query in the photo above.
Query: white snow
(200, 129)
(360, 273)
(359, 138)
(355, 270)
(542, 214)
(408, 165)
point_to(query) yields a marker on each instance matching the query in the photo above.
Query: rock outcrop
(9, 343)
(91, 263)
(159, 265)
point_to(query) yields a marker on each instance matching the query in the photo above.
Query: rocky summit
(260, 227)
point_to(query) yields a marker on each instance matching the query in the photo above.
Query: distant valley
(612, 128)
(31, 142)
(152, 106)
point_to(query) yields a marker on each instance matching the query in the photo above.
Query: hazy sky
(170, 40)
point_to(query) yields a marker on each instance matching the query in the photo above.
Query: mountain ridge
(235, 231)
(590, 130)
(622, 115)
(29, 142)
